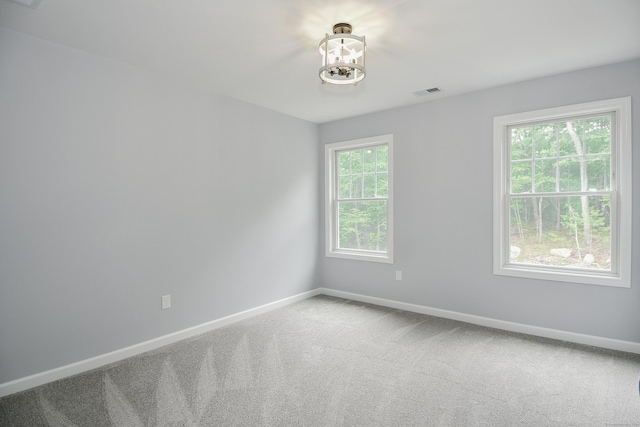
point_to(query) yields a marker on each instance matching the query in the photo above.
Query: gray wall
(118, 186)
(443, 210)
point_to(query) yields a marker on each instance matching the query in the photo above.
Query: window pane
(356, 161)
(362, 225)
(356, 186)
(545, 141)
(370, 185)
(545, 175)
(382, 188)
(369, 160)
(344, 159)
(566, 145)
(599, 172)
(570, 174)
(572, 231)
(382, 159)
(344, 187)
(573, 134)
(521, 143)
(569, 142)
(521, 177)
(363, 173)
(598, 135)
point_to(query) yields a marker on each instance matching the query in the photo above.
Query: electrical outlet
(398, 275)
(166, 301)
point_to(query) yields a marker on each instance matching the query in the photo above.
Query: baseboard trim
(608, 343)
(22, 384)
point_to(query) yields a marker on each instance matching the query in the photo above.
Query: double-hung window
(359, 199)
(562, 193)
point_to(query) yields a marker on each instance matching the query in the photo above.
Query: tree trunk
(537, 216)
(584, 185)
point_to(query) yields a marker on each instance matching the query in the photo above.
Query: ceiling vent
(33, 4)
(426, 91)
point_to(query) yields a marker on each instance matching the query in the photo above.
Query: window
(359, 199)
(562, 193)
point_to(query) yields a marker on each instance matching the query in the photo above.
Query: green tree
(363, 188)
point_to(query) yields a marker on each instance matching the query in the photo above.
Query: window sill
(578, 276)
(360, 256)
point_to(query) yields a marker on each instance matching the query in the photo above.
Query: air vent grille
(427, 91)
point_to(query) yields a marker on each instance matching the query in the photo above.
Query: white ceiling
(266, 51)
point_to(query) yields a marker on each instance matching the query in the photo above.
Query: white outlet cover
(166, 302)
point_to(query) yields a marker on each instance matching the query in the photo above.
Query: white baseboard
(608, 343)
(42, 378)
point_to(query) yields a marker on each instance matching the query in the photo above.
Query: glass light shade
(342, 58)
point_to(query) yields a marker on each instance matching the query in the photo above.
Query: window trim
(331, 229)
(621, 166)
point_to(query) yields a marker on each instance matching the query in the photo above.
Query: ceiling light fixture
(342, 56)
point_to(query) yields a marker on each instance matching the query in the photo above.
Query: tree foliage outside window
(359, 220)
(570, 157)
(363, 183)
(562, 193)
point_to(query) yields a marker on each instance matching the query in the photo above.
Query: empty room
(338, 213)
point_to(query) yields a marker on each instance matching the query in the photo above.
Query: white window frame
(620, 273)
(331, 209)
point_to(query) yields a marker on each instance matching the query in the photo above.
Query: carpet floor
(331, 362)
